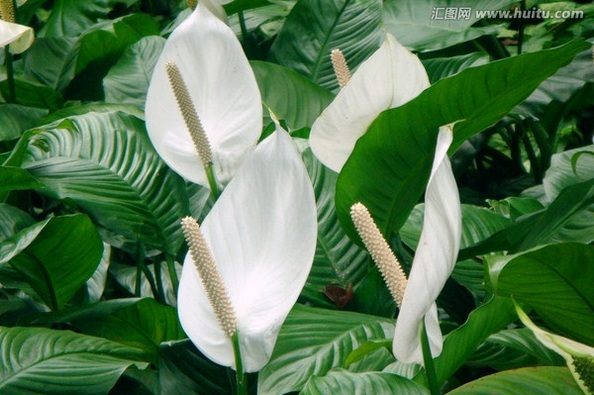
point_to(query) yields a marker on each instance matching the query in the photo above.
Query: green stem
(159, 280)
(212, 181)
(241, 381)
(428, 360)
(521, 28)
(242, 26)
(138, 287)
(172, 272)
(10, 75)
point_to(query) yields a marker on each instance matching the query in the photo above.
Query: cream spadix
(262, 232)
(223, 90)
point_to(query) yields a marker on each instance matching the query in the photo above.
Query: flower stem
(172, 272)
(428, 359)
(10, 75)
(212, 181)
(241, 381)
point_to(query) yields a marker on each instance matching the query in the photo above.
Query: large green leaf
(56, 256)
(69, 18)
(128, 80)
(312, 342)
(423, 26)
(314, 28)
(345, 382)
(143, 325)
(32, 94)
(52, 61)
(12, 221)
(44, 361)
(569, 168)
(512, 349)
(15, 179)
(15, 119)
(398, 146)
(463, 341)
(290, 96)
(540, 227)
(338, 261)
(104, 163)
(184, 370)
(539, 380)
(556, 280)
(101, 47)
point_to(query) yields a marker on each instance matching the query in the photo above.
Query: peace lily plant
(250, 257)
(223, 91)
(262, 235)
(391, 77)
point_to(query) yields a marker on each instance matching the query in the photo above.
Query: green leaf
(15, 119)
(118, 179)
(291, 97)
(555, 281)
(331, 337)
(128, 80)
(143, 325)
(31, 94)
(463, 341)
(398, 146)
(344, 382)
(56, 256)
(338, 261)
(478, 223)
(126, 276)
(17, 179)
(69, 18)
(439, 68)
(44, 361)
(568, 168)
(366, 349)
(314, 28)
(51, 61)
(422, 26)
(184, 370)
(540, 227)
(533, 380)
(101, 47)
(12, 221)
(512, 349)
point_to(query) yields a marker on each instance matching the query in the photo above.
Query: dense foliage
(91, 247)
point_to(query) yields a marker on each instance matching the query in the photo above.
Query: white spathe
(223, 89)
(390, 77)
(262, 232)
(434, 259)
(19, 37)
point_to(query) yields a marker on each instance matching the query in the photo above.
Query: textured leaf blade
(118, 180)
(332, 337)
(314, 28)
(56, 256)
(555, 281)
(38, 360)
